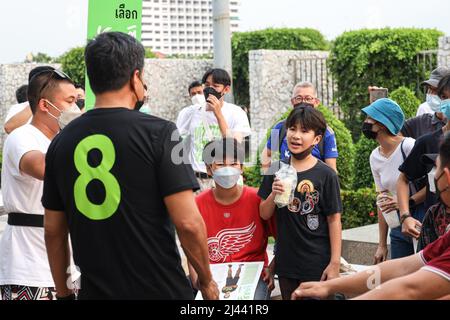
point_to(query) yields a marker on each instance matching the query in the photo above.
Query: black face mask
(303, 105)
(367, 131)
(303, 155)
(211, 91)
(80, 103)
(140, 103)
(439, 192)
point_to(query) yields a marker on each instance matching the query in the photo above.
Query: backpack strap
(412, 186)
(281, 136)
(403, 151)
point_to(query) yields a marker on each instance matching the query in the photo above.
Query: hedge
(359, 208)
(274, 39)
(406, 100)
(383, 57)
(363, 174)
(345, 161)
(73, 64)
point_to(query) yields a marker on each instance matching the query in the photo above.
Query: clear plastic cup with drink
(287, 175)
(391, 216)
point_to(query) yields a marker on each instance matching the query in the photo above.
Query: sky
(54, 26)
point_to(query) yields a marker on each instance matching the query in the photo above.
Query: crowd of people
(96, 200)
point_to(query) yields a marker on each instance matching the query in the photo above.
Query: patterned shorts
(13, 292)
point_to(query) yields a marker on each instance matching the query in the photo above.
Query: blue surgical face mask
(227, 177)
(445, 108)
(434, 102)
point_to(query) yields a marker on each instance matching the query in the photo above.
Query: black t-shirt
(109, 171)
(303, 242)
(414, 168)
(422, 125)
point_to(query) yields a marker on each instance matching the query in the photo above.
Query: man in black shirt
(423, 124)
(429, 116)
(414, 168)
(111, 179)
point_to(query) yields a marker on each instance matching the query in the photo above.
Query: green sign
(112, 15)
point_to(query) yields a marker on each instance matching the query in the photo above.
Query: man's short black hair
(444, 151)
(79, 86)
(194, 84)
(222, 149)
(444, 85)
(38, 70)
(308, 118)
(111, 59)
(36, 90)
(219, 76)
(22, 94)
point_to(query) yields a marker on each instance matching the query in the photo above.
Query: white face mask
(434, 102)
(198, 99)
(66, 116)
(227, 177)
(431, 180)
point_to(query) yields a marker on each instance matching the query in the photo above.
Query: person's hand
(411, 227)
(277, 187)
(373, 88)
(390, 203)
(331, 271)
(381, 254)
(210, 291)
(317, 290)
(213, 104)
(268, 279)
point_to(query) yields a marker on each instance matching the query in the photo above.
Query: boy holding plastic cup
(309, 227)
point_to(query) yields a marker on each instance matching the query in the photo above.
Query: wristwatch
(404, 216)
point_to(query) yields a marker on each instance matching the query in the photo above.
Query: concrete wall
(273, 75)
(168, 81)
(444, 52)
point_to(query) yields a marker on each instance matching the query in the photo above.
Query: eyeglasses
(61, 75)
(301, 99)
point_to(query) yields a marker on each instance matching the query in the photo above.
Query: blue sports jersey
(329, 145)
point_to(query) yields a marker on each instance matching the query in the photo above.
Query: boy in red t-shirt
(235, 230)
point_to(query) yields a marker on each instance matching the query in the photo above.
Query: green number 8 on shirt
(101, 173)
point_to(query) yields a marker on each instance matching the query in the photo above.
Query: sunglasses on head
(52, 73)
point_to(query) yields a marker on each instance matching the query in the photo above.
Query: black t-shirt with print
(303, 244)
(109, 171)
(414, 168)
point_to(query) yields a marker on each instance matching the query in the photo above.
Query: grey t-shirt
(422, 125)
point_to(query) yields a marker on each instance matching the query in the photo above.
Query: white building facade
(182, 27)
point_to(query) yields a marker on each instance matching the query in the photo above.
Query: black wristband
(404, 216)
(66, 298)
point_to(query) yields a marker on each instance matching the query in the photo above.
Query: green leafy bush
(149, 54)
(274, 39)
(73, 64)
(407, 101)
(345, 161)
(359, 208)
(363, 174)
(252, 176)
(383, 57)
